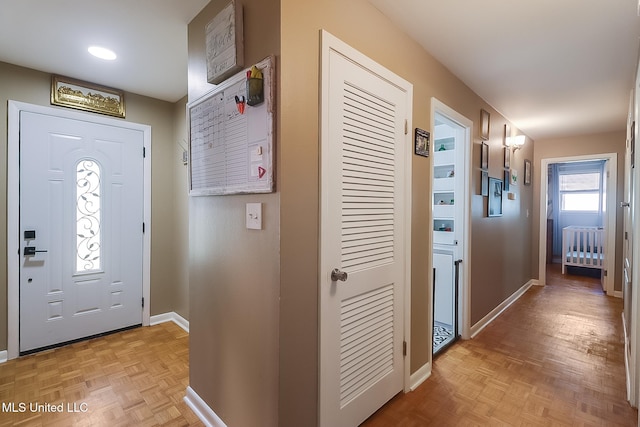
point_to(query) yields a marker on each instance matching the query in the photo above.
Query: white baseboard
(3, 356)
(420, 376)
(170, 317)
(493, 314)
(617, 294)
(202, 410)
(535, 282)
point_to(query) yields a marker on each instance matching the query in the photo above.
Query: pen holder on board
(255, 91)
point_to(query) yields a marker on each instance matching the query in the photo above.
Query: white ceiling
(552, 67)
(149, 37)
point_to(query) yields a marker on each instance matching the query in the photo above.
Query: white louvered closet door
(362, 234)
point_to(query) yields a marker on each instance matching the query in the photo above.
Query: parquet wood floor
(554, 358)
(131, 378)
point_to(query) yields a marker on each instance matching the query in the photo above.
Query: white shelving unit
(444, 191)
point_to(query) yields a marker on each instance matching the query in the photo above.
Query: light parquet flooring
(131, 378)
(554, 358)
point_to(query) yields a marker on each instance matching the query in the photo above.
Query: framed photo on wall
(484, 124)
(422, 142)
(507, 134)
(495, 197)
(484, 183)
(484, 156)
(527, 172)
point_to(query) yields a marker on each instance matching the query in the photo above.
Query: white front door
(363, 235)
(81, 229)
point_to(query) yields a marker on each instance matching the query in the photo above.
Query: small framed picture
(484, 183)
(514, 177)
(507, 133)
(527, 172)
(507, 157)
(422, 142)
(495, 197)
(484, 156)
(507, 179)
(485, 118)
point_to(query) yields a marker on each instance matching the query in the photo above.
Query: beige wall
(234, 272)
(359, 24)
(613, 142)
(25, 85)
(181, 210)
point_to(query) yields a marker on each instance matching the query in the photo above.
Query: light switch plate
(254, 216)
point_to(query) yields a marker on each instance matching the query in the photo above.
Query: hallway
(555, 357)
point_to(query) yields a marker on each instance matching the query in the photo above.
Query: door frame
(612, 197)
(331, 43)
(13, 209)
(464, 302)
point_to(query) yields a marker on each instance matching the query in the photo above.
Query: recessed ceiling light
(102, 53)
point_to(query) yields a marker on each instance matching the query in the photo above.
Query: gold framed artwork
(72, 93)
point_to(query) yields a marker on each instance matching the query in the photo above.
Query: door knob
(625, 204)
(31, 250)
(336, 275)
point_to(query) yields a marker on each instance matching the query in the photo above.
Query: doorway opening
(450, 226)
(578, 201)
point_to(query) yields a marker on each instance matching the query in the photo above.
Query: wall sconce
(516, 142)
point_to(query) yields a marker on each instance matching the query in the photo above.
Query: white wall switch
(254, 216)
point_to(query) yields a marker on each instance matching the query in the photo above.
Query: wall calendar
(231, 147)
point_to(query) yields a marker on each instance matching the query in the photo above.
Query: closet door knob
(338, 275)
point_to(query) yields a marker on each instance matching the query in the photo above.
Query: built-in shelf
(444, 157)
(444, 171)
(444, 144)
(443, 198)
(444, 190)
(443, 224)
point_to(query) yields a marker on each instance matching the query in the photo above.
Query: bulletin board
(232, 152)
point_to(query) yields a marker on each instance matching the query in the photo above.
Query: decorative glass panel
(88, 239)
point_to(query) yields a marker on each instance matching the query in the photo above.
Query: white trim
(610, 226)
(146, 236)
(535, 282)
(420, 376)
(627, 362)
(3, 356)
(464, 314)
(13, 201)
(202, 410)
(618, 294)
(493, 314)
(172, 316)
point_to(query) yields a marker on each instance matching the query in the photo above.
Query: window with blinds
(580, 192)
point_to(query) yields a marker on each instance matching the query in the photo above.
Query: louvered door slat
(373, 179)
(366, 340)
